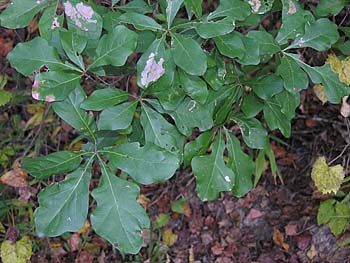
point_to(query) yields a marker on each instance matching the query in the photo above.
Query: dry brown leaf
(320, 93)
(15, 178)
(143, 200)
(73, 242)
(168, 237)
(278, 239)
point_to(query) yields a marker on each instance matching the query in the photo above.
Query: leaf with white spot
(212, 174)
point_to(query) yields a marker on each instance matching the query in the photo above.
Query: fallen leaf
(291, 229)
(217, 249)
(312, 252)
(278, 239)
(168, 237)
(73, 242)
(191, 255)
(6, 45)
(254, 214)
(320, 93)
(327, 179)
(143, 200)
(15, 178)
(345, 107)
(181, 207)
(20, 252)
(85, 257)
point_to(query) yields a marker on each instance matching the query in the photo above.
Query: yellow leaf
(168, 237)
(15, 178)
(327, 179)
(84, 228)
(20, 252)
(340, 67)
(320, 93)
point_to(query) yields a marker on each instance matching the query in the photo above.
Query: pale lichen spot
(193, 106)
(35, 95)
(55, 23)
(255, 5)
(152, 71)
(50, 98)
(292, 8)
(38, 2)
(227, 179)
(79, 14)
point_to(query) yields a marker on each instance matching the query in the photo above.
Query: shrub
(199, 77)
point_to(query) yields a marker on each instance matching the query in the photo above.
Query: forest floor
(275, 222)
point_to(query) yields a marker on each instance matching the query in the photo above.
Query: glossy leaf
(195, 6)
(118, 117)
(173, 7)
(294, 78)
(20, 13)
(266, 86)
(69, 110)
(194, 86)
(54, 163)
(54, 85)
(189, 56)
(159, 131)
(138, 6)
(104, 98)
(30, 56)
(50, 23)
(241, 164)
(260, 7)
(325, 8)
(63, 206)
(197, 147)
(140, 22)
(319, 35)
(215, 28)
(212, 174)
(73, 45)
(146, 165)
(267, 44)
(274, 117)
(235, 9)
(117, 208)
(115, 47)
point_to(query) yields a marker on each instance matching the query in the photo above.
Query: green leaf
(251, 52)
(69, 110)
(140, 22)
(319, 35)
(195, 6)
(241, 164)
(19, 13)
(30, 56)
(293, 21)
(267, 86)
(335, 90)
(83, 19)
(178, 206)
(191, 114)
(118, 117)
(194, 86)
(188, 55)
(173, 7)
(157, 48)
(234, 9)
(325, 7)
(115, 47)
(50, 24)
(118, 218)
(54, 163)
(146, 165)
(289, 101)
(267, 44)
(230, 45)
(274, 117)
(159, 131)
(197, 147)
(294, 78)
(73, 45)
(104, 98)
(63, 206)
(55, 85)
(212, 174)
(251, 105)
(325, 212)
(253, 132)
(339, 223)
(5, 97)
(212, 29)
(138, 6)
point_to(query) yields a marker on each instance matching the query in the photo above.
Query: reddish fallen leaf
(15, 178)
(254, 214)
(6, 45)
(12, 234)
(25, 193)
(85, 257)
(291, 229)
(278, 239)
(217, 249)
(73, 242)
(303, 241)
(209, 221)
(278, 151)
